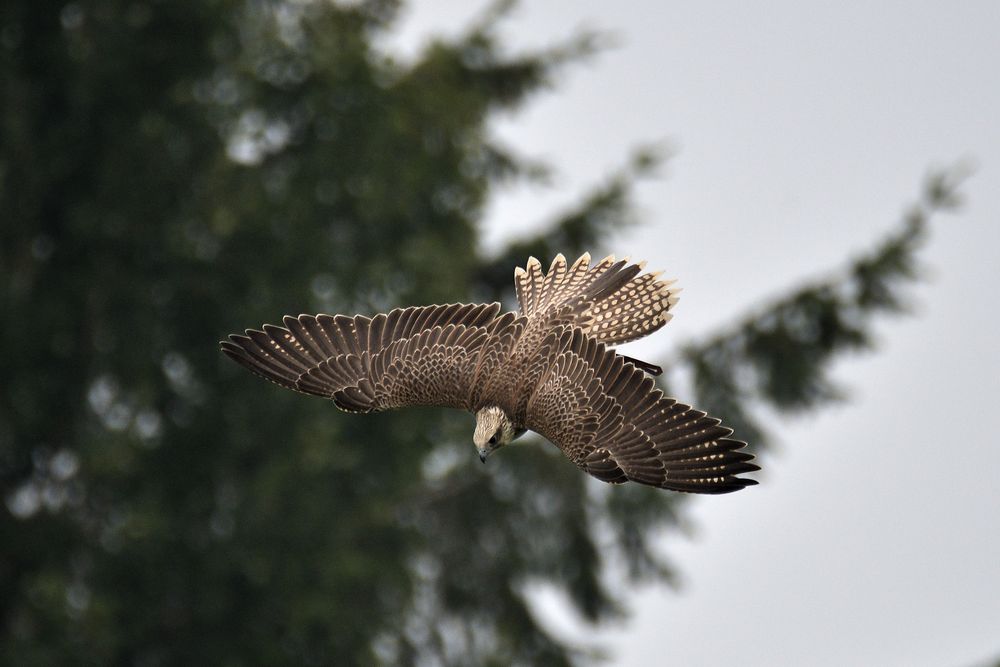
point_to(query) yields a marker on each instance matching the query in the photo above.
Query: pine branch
(605, 210)
(781, 355)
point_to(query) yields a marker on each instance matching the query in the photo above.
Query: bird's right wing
(425, 355)
(611, 420)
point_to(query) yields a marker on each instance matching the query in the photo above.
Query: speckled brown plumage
(549, 368)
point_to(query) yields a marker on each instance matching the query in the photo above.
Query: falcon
(550, 367)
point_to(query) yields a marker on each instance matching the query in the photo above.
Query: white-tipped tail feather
(611, 301)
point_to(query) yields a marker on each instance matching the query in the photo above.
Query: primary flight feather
(549, 368)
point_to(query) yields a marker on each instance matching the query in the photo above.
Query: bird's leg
(652, 369)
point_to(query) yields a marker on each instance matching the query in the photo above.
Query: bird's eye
(493, 440)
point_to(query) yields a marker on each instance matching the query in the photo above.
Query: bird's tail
(613, 302)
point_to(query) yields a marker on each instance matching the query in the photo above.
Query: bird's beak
(483, 453)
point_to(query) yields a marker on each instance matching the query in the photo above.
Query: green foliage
(174, 171)
(606, 207)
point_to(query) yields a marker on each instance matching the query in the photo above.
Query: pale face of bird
(493, 431)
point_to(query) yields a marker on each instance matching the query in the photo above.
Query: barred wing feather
(609, 419)
(424, 355)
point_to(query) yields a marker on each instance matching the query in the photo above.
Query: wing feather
(375, 329)
(421, 355)
(307, 337)
(503, 333)
(609, 418)
(290, 345)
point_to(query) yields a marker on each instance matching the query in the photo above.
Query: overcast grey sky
(801, 131)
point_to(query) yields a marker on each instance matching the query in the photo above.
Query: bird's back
(612, 302)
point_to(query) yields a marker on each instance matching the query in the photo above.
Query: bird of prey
(549, 367)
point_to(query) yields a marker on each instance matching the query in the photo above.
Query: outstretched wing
(610, 420)
(424, 355)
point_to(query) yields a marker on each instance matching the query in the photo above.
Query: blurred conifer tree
(174, 171)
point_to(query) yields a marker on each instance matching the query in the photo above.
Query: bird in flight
(549, 367)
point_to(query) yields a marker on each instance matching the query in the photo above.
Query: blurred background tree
(171, 172)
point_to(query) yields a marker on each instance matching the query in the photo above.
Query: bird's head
(493, 430)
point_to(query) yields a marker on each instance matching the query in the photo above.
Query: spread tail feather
(613, 302)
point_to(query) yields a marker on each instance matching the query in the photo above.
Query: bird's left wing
(424, 355)
(609, 418)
